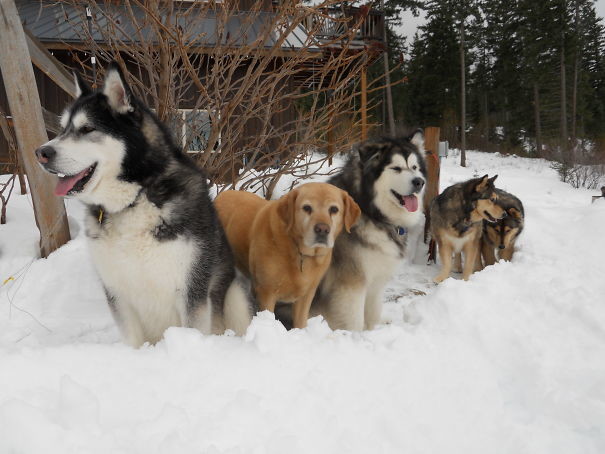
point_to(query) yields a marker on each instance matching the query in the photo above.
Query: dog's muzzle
(322, 231)
(45, 153)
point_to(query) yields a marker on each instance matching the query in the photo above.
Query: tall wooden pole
(364, 103)
(24, 103)
(387, 73)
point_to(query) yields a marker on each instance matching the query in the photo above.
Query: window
(195, 126)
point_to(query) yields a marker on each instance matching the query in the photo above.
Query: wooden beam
(51, 121)
(364, 103)
(24, 103)
(49, 65)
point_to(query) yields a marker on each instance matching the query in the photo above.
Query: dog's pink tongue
(410, 202)
(65, 184)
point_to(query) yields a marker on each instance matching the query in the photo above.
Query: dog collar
(400, 230)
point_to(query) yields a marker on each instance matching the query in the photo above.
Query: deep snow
(512, 361)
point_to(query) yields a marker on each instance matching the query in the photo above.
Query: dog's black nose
(322, 229)
(45, 154)
(418, 183)
(501, 246)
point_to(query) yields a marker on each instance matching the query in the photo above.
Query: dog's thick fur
(285, 245)
(457, 216)
(503, 234)
(386, 178)
(154, 235)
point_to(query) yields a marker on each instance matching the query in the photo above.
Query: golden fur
(275, 242)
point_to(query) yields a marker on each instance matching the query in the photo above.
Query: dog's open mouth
(72, 184)
(409, 202)
(489, 217)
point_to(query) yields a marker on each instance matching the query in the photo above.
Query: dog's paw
(440, 279)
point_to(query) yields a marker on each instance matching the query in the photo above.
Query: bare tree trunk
(537, 120)
(462, 98)
(387, 74)
(164, 58)
(485, 120)
(564, 136)
(574, 94)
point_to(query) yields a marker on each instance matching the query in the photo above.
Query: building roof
(53, 22)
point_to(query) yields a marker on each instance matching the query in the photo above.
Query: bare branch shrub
(264, 90)
(6, 188)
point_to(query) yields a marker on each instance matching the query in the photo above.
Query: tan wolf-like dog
(285, 246)
(457, 216)
(504, 233)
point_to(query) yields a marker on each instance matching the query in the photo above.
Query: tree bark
(537, 120)
(24, 103)
(574, 93)
(564, 135)
(462, 98)
(364, 103)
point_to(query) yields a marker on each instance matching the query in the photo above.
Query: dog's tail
(239, 305)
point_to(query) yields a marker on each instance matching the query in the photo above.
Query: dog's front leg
(488, 253)
(458, 262)
(445, 254)
(470, 250)
(373, 306)
(301, 310)
(127, 320)
(266, 298)
(346, 308)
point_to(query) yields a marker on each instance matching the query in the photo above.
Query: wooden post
(24, 103)
(49, 65)
(431, 145)
(364, 103)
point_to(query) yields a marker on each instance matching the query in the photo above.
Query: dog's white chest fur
(147, 277)
(381, 258)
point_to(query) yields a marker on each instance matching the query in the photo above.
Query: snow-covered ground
(512, 361)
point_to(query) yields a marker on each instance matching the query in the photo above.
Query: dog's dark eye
(86, 129)
(333, 210)
(397, 169)
(414, 167)
(308, 209)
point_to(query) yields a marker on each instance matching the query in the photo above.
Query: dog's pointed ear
(367, 151)
(82, 88)
(513, 212)
(116, 89)
(482, 184)
(417, 139)
(351, 211)
(285, 208)
(492, 179)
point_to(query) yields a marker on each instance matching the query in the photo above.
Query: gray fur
(350, 295)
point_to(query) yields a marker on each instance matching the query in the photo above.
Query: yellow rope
(8, 279)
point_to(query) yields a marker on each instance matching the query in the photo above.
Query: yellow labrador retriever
(285, 245)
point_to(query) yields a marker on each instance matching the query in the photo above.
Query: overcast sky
(411, 23)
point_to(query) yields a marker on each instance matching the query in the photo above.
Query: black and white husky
(153, 232)
(386, 178)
